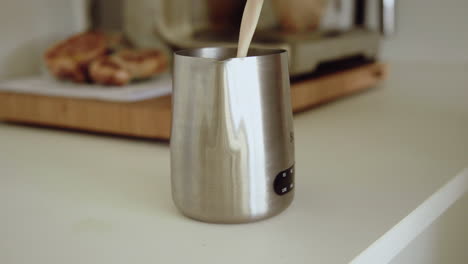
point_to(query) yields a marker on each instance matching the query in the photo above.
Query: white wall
(430, 30)
(28, 26)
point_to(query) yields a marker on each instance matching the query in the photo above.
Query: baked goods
(69, 59)
(107, 71)
(126, 65)
(102, 58)
(142, 64)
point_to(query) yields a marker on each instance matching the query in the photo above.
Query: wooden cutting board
(152, 118)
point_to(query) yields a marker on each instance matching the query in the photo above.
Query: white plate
(41, 85)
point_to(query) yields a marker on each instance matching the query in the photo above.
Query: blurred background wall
(28, 26)
(430, 30)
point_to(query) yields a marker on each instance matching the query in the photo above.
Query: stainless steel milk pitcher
(232, 142)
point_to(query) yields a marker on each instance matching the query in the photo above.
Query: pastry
(102, 58)
(105, 70)
(127, 65)
(141, 64)
(70, 58)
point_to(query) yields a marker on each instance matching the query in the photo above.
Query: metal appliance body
(232, 142)
(346, 30)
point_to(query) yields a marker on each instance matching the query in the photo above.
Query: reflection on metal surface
(232, 124)
(388, 17)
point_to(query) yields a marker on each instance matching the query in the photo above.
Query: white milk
(249, 24)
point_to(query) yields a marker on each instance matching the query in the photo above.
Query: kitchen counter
(373, 171)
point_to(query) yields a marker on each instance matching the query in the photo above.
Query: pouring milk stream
(249, 23)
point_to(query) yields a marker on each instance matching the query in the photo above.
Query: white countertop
(377, 167)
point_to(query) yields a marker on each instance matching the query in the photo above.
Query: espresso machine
(314, 32)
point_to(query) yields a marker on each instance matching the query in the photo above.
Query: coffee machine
(314, 32)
